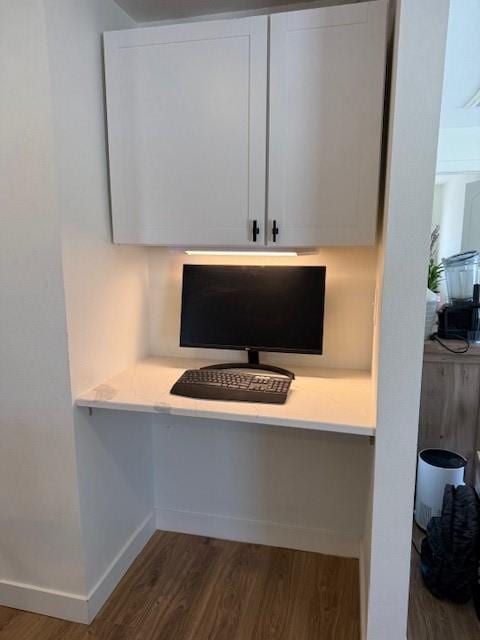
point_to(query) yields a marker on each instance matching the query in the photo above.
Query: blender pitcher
(462, 272)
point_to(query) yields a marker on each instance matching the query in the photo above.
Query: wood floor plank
(149, 584)
(327, 604)
(29, 626)
(6, 614)
(277, 597)
(338, 599)
(230, 603)
(185, 587)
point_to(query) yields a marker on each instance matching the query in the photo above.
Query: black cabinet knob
(275, 231)
(255, 230)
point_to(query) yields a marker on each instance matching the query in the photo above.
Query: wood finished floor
(194, 588)
(432, 619)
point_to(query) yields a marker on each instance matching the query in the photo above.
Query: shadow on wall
(271, 485)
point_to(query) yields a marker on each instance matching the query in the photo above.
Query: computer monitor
(253, 309)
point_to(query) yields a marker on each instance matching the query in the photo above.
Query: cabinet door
(186, 109)
(327, 71)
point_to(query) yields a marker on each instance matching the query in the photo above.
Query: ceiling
(462, 65)
(459, 139)
(154, 10)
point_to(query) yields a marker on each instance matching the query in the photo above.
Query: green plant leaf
(435, 276)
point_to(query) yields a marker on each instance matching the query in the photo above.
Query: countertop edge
(331, 427)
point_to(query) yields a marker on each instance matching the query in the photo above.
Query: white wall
(414, 118)
(459, 149)
(452, 209)
(350, 291)
(437, 204)
(263, 484)
(39, 515)
(76, 313)
(267, 485)
(459, 141)
(76, 489)
(152, 13)
(115, 482)
(103, 319)
(471, 219)
(462, 72)
(106, 286)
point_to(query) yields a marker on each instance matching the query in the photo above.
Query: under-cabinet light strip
(279, 254)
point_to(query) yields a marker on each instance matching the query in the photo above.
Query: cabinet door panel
(326, 106)
(187, 132)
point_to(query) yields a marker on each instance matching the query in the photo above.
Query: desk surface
(336, 400)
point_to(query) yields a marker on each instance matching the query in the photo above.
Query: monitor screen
(255, 308)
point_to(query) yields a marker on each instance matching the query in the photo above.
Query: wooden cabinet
(220, 128)
(450, 401)
(186, 132)
(326, 109)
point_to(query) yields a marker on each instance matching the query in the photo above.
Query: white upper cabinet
(326, 107)
(198, 113)
(186, 111)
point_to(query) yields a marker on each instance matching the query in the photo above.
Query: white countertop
(335, 400)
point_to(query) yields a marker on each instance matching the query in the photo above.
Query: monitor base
(253, 363)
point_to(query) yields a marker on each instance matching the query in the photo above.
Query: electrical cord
(464, 349)
(414, 544)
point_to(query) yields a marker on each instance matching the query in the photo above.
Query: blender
(460, 317)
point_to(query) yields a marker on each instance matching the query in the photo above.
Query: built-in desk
(289, 475)
(335, 400)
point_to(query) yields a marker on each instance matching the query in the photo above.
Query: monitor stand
(253, 363)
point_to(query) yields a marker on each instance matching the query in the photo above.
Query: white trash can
(436, 468)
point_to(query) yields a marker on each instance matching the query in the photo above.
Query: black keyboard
(218, 384)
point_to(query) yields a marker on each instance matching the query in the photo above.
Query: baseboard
(363, 595)
(57, 604)
(118, 567)
(78, 608)
(73, 607)
(273, 534)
